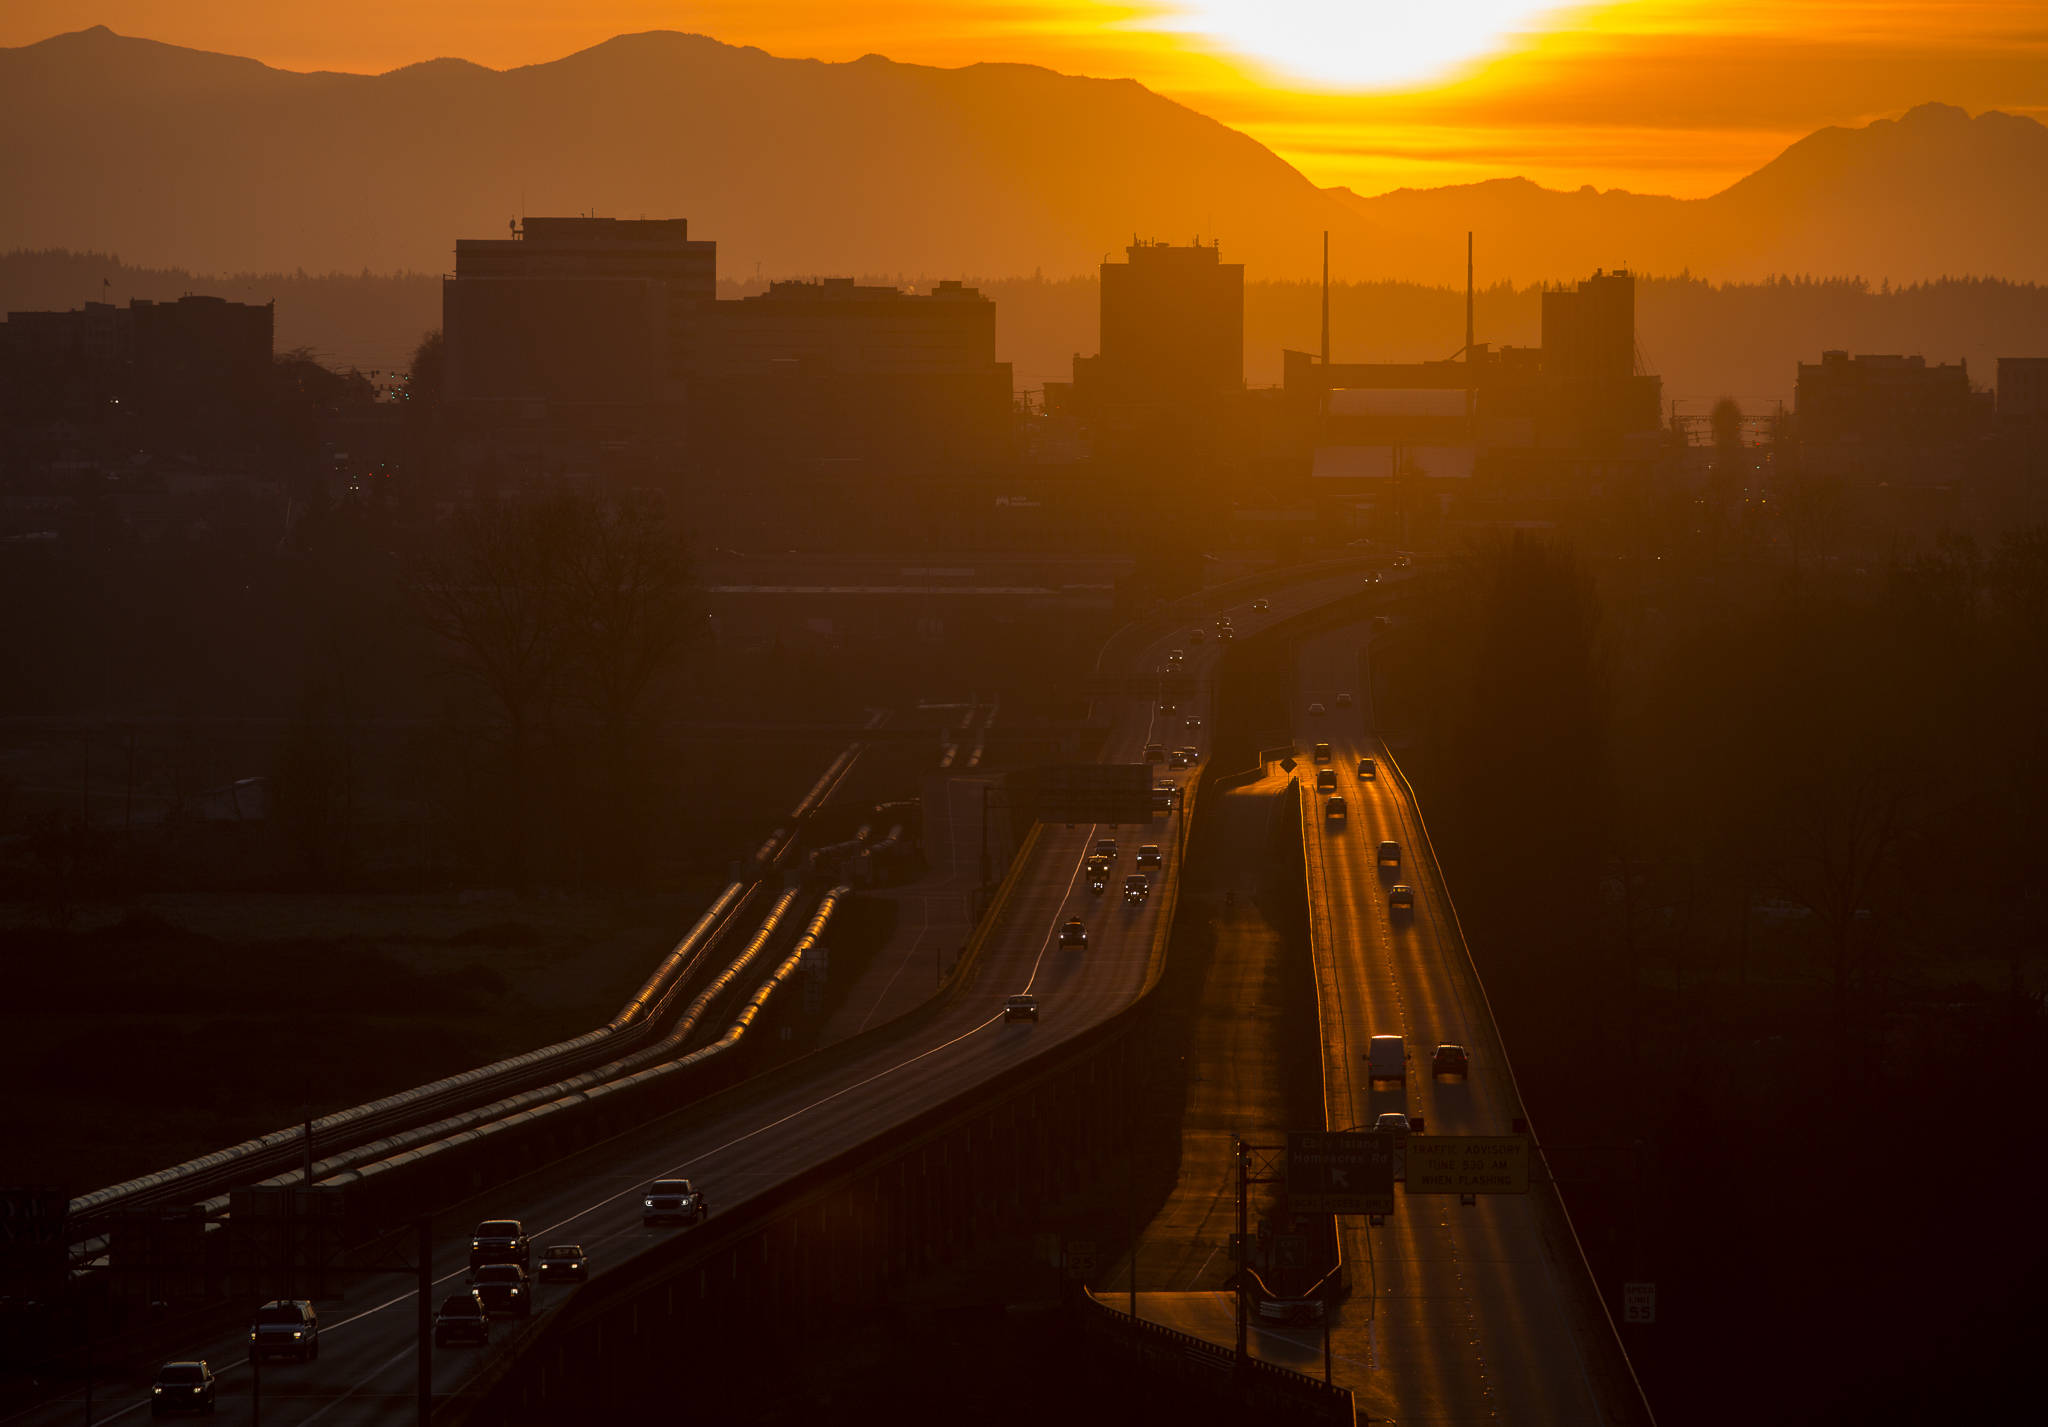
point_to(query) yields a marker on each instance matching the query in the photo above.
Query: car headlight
(297, 1334)
(650, 1203)
(476, 1243)
(156, 1389)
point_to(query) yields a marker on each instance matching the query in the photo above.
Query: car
(1450, 1060)
(1175, 656)
(1322, 752)
(1137, 887)
(1390, 855)
(1391, 1122)
(1074, 933)
(183, 1386)
(564, 1263)
(1149, 856)
(1402, 562)
(1166, 706)
(1401, 899)
(1260, 606)
(1222, 623)
(1193, 725)
(1179, 758)
(1021, 1008)
(504, 1289)
(1343, 701)
(499, 1241)
(1367, 768)
(1162, 797)
(1195, 636)
(1316, 710)
(1333, 808)
(285, 1328)
(1326, 780)
(676, 1199)
(1373, 578)
(1386, 1058)
(462, 1319)
(1155, 753)
(1225, 634)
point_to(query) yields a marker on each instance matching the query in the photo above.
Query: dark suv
(499, 1241)
(285, 1328)
(182, 1387)
(504, 1290)
(673, 1199)
(462, 1319)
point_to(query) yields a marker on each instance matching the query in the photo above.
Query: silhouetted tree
(495, 594)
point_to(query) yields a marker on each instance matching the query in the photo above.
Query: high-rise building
(833, 370)
(573, 315)
(1589, 359)
(192, 370)
(1172, 330)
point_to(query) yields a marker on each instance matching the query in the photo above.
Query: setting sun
(1347, 44)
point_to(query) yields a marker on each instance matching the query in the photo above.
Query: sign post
(1468, 1164)
(1639, 1303)
(1340, 1172)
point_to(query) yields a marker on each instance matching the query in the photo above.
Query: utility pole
(426, 1320)
(1468, 325)
(1244, 1257)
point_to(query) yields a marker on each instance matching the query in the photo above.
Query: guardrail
(205, 1177)
(442, 1129)
(266, 1154)
(561, 1119)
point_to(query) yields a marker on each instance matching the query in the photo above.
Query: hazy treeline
(1705, 339)
(1749, 860)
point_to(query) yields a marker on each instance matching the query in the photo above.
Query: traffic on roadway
(742, 1144)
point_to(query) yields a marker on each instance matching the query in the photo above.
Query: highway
(742, 1144)
(1457, 1314)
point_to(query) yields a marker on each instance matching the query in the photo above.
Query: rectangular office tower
(1172, 330)
(838, 371)
(574, 317)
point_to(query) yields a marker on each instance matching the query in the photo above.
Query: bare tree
(632, 620)
(496, 595)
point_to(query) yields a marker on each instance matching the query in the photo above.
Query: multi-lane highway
(741, 1144)
(1458, 1313)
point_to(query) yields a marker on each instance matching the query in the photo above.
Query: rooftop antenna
(1326, 297)
(1468, 323)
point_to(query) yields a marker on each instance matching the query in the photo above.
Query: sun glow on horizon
(1359, 44)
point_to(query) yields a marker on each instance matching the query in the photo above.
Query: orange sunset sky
(1662, 96)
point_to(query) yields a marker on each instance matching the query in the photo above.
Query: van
(1326, 780)
(1387, 1059)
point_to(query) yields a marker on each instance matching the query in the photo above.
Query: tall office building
(575, 315)
(833, 370)
(1589, 359)
(1172, 330)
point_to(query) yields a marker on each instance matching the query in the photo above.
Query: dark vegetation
(1749, 862)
